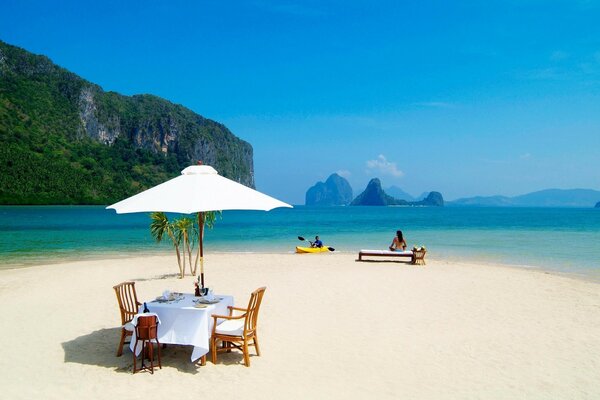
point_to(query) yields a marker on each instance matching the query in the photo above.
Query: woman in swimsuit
(398, 244)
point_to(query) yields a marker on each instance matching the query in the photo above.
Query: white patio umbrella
(199, 188)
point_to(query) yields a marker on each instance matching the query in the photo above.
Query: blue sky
(464, 97)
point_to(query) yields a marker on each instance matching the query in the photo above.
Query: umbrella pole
(200, 243)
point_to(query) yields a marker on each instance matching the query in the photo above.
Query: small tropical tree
(184, 231)
(161, 226)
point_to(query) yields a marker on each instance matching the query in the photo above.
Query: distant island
(65, 140)
(542, 198)
(374, 195)
(335, 191)
(400, 194)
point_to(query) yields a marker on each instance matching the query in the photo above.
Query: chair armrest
(231, 308)
(215, 316)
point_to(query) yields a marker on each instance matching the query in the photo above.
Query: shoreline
(593, 276)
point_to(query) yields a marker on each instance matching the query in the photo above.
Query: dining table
(186, 320)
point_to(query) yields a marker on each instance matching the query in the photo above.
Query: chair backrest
(253, 308)
(127, 298)
(146, 327)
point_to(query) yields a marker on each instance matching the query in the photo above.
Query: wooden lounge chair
(238, 331)
(128, 306)
(416, 257)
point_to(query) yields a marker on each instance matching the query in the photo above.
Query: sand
(330, 327)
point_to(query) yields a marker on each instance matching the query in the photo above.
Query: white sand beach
(330, 327)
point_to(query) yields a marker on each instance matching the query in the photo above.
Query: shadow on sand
(159, 277)
(385, 261)
(99, 348)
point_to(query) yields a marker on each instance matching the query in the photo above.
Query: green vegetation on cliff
(63, 140)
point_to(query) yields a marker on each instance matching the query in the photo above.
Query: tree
(184, 232)
(160, 226)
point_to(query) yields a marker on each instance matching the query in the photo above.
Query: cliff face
(335, 191)
(433, 199)
(111, 145)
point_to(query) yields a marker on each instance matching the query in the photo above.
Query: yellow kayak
(311, 249)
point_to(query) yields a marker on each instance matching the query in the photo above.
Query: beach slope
(330, 327)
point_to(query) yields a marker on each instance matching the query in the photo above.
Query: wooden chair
(237, 331)
(146, 331)
(128, 306)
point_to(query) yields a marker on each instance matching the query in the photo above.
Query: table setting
(186, 318)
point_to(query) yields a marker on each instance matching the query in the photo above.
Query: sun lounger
(417, 257)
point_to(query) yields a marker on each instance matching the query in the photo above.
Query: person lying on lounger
(398, 244)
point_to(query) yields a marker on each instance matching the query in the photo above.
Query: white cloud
(344, 173)
(382, 165)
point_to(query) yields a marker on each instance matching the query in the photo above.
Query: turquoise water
(558, 239)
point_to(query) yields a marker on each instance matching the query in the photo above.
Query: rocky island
(335, 191)
(374, 195)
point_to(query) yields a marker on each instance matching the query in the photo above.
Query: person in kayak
(317, 242)
(398, 244)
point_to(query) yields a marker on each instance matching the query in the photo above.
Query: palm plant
(184, 230)
(160, 226)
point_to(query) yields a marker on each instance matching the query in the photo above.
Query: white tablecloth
(182, 323)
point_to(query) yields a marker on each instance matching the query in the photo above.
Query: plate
(205, 301)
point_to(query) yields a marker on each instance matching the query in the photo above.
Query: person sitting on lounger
(317, 243)
(398, 244)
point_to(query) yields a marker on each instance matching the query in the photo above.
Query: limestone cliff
(65, 140)
(335, 191)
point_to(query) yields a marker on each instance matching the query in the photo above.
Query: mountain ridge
(540, 198)
(67, 141)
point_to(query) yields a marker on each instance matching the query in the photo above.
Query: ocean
(563, 240)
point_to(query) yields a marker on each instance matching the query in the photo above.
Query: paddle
(304, 240)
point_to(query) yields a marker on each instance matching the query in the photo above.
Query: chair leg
(121, 343)
(246, 353)
(158, 346)
(151, 356)
(134, 358)
(256, 345)
(213, 349)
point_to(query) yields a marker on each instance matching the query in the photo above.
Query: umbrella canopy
(199, 188)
